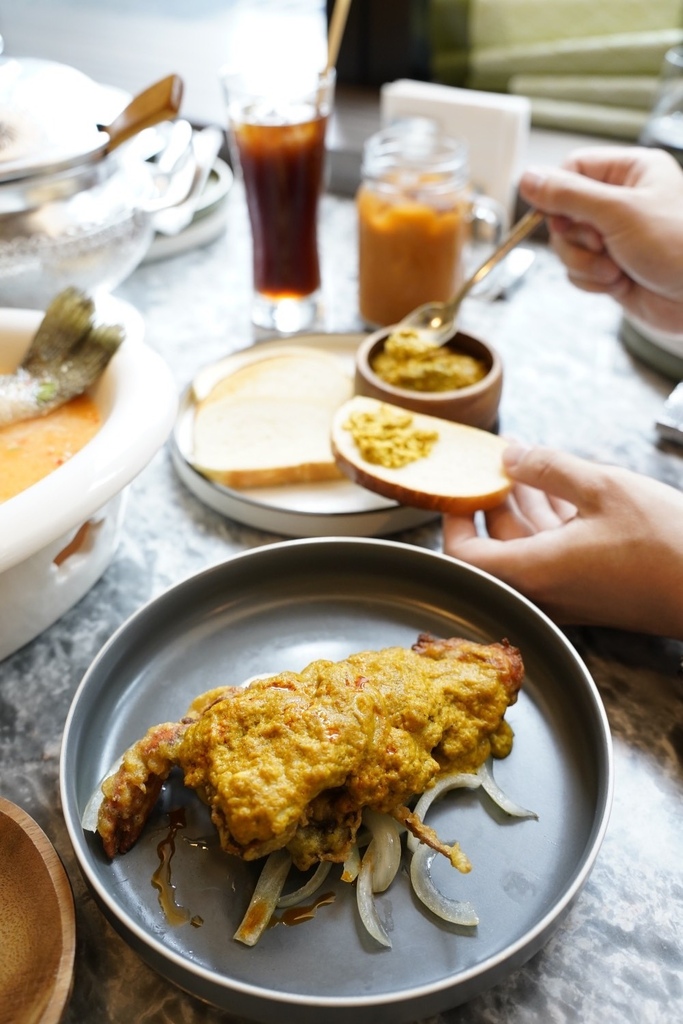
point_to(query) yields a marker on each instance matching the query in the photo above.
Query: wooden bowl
(38, 923)
(476, 405)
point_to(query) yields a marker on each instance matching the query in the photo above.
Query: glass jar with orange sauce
(414, 213)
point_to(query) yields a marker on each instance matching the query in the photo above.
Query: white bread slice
(309, 377)
(208, 377)
(462, 473)
(268, 423)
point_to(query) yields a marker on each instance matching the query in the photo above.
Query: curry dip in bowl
(460, 381)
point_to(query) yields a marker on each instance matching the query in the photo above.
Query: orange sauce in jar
(414, 212)
(30, 449)
(409, 253)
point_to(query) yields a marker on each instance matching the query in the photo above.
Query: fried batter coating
(291, 760)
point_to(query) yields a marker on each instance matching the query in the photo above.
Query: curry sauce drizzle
(161, 879)
(176, 915)
(299, 914)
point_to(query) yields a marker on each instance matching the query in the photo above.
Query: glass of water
(664, 126)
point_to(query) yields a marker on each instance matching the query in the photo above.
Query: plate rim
(505, 960)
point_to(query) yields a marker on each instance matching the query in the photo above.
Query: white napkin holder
(495, 126)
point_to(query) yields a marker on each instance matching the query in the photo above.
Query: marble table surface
(618, 955)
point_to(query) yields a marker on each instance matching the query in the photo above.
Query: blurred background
(585, 65)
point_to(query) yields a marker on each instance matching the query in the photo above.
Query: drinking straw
(336, 31)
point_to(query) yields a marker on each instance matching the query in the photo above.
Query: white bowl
(80, 505)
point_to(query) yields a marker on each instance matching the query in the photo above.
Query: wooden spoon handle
(159, 102)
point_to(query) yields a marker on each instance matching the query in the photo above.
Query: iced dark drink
(281, 150)
(282, 167)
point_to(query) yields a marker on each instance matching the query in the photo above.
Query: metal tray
(281, 606)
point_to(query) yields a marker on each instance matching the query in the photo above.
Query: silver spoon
(174, 171)
(206, 145)
(436, 321)
(174, 155)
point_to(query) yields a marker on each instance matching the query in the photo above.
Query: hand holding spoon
(436, 321)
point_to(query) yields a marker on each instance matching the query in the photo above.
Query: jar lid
(414, 147)
(49, 116)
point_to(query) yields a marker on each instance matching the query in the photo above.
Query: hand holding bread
(268, 418)
(460, 472)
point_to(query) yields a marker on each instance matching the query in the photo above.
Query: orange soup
(31, 449)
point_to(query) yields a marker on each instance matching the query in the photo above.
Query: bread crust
(267, 422)
(462, 474)
(307, 473)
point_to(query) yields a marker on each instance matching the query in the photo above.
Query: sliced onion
(351, 866)
(255, 679)
(92, 808)
(308, 888)
(456, 780)
(386, 842)
(455, 911)
(491, 787)
(366, 900)
(363, 837)
(265, 897)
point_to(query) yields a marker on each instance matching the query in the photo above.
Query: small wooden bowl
(476, 405)
(38, 923)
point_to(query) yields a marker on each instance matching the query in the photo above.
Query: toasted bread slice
(462, 472)
(268, 423)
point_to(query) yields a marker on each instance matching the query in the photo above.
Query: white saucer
(208, 223)
(331, 508)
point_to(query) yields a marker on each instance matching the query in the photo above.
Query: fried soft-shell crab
(292, 760)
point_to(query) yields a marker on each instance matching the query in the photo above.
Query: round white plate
(332, 508)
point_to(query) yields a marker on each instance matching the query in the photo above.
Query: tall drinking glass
(277, 134)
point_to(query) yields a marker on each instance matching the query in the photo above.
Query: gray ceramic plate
(281, 606)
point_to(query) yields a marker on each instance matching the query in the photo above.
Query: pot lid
(49, 116)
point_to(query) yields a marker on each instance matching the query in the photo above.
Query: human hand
(615, 217)
(590, 544)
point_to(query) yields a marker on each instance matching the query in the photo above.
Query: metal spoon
(173, 172)
(174, 155)
(206, 145)
(436, 321)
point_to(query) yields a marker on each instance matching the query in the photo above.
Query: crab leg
(131, 792)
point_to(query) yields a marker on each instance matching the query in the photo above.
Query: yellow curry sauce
(291, 761)
(389, 438)
(30, 449)
(408, 361)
